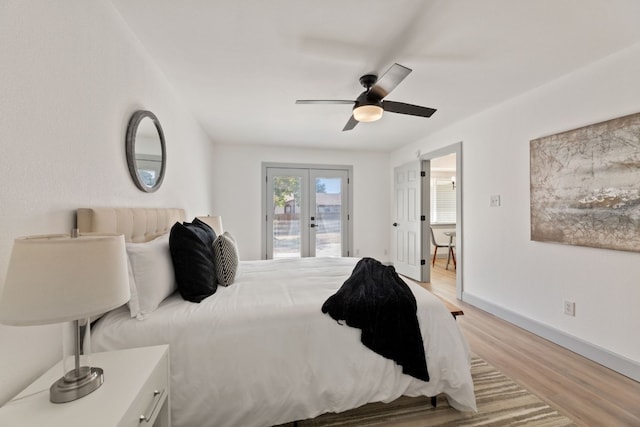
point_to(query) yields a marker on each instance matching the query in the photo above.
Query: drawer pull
(157, 398)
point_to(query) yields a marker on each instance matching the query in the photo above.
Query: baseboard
(616, 362)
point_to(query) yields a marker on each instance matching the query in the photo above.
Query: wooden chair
(436, 245)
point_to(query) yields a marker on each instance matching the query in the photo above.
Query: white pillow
(153, 276)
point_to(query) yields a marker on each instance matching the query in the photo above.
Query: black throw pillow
(191, 246)
(206, 227)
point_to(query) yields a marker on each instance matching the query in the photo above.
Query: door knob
(395, 224)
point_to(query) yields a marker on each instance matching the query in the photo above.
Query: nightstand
(136, 385)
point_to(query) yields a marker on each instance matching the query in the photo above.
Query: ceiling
(240, 65)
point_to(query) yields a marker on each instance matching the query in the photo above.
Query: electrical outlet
(569, 308)
(494, 201)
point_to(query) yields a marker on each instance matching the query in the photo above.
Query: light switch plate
(494, 201)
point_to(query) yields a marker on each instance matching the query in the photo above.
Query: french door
(307, 212)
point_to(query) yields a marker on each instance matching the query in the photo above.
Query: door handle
(395, 224)
(312, 225)
(157, 397)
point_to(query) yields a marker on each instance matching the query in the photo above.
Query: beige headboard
(137, 224)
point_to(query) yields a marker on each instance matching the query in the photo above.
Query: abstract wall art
(585, 186)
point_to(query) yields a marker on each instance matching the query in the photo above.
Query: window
(443, 201)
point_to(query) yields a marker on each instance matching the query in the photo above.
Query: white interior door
(408, 221)
(307, 212)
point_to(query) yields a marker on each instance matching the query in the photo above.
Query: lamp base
(72, 387)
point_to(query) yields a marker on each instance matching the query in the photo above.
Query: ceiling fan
(369, 105)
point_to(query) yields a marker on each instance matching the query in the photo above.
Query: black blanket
(377, 301)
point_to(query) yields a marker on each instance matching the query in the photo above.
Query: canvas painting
(585, 186)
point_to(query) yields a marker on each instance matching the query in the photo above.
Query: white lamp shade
(214, 222)
(367, 113)
(58, 278)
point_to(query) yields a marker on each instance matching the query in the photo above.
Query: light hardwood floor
(585, 391)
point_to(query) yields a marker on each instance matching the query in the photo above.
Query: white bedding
(260, 352)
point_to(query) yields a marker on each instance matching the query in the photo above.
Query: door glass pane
(328, 217)
(286, 216)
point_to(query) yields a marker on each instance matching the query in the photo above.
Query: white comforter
(260, 352)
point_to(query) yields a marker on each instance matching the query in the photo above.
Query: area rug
(501, 402)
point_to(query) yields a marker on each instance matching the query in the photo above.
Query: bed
(260, 352)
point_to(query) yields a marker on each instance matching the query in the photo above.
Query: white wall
(237, 189)
(71, 75)
(502, 266)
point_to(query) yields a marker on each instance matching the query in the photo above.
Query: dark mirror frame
(130, 144)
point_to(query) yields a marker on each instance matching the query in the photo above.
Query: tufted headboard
(137, 224)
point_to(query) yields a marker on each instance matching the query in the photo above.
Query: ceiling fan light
(367, 113)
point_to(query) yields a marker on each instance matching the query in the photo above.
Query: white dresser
(135, 393)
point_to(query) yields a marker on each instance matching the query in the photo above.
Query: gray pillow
(225, 258)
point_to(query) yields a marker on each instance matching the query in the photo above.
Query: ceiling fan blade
(323, 101)
(389, 80)
(402, 108)
(350, 124)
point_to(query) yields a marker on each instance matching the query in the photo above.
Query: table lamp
(61, 278)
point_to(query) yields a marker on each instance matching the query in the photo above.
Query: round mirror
(146, 156)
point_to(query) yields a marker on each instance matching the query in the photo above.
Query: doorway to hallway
(445, 169)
